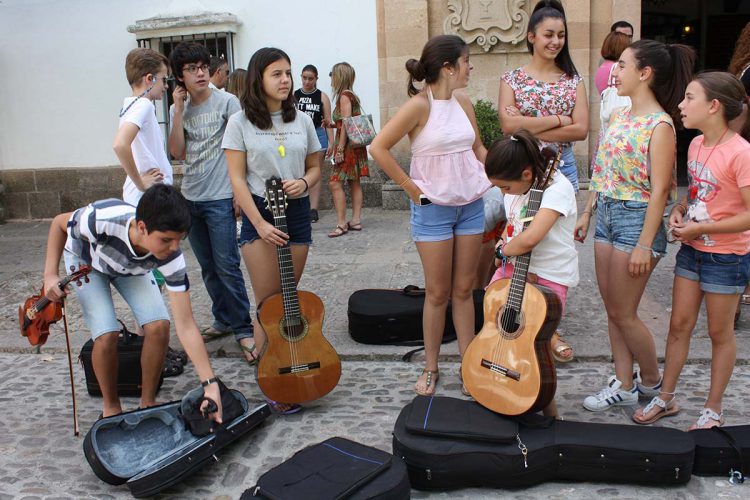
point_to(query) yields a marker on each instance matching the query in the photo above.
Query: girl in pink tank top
(445, 186)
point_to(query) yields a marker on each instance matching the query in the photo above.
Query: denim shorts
(322, 137)
(570, 167)
(619, 223)
(298, 223)
(140, 292)
(724, 273)
(440, 222)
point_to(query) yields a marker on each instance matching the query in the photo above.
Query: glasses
(193, 68)
(165, 80)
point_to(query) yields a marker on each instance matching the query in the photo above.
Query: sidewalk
(40, 458)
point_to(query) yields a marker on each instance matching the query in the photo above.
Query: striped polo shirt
(98, 234)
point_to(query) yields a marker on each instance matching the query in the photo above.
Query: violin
(38, 312)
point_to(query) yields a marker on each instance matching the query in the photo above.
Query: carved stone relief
(494, 25)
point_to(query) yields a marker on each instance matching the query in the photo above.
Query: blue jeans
(442, 222)
(619, 223)
(723, 273)
(213, 237)
(570, 168)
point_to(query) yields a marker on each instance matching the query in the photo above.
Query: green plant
(488, 122)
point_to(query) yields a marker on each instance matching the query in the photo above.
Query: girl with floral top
(633, 176)
(547, 97)
(714, 259)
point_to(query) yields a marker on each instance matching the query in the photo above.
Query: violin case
(383, 316)
(129, 375)
(450, 443)
(336, 468)
(151, 449)
(722, 451)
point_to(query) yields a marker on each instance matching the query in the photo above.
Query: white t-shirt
(148, 145)
(555, 258)
(262, 147)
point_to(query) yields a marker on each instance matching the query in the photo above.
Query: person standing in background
(218, 69)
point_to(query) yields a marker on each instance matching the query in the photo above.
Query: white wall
(63, 76)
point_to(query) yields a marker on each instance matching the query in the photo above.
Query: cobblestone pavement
(40, 458)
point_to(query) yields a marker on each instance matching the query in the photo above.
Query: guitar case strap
(70, 368)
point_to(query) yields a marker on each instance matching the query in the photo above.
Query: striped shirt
(98, 234)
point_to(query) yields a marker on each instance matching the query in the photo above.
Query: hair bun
(416, 69)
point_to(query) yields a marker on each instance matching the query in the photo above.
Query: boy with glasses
(139, 143)
(199, 117)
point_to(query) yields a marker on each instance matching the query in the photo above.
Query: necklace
(279, 140)
(693, 191)
(123, 111)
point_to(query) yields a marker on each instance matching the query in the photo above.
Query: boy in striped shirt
(123, 244)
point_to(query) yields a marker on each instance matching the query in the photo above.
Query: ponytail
(439, 51)
(671, 68)
(508, 157)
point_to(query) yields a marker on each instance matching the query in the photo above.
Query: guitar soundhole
(294, 329)
(509, 323)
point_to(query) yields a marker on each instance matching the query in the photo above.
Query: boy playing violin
(123, 244)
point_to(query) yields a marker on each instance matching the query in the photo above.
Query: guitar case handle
(413, 291)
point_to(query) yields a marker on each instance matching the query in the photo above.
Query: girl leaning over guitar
(513, 165)
(269, 138)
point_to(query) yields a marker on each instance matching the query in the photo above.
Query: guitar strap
(70, 368)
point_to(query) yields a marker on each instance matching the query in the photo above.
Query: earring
(451, 73)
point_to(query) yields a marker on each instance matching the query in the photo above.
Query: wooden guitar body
(513, 373)
(298, 363)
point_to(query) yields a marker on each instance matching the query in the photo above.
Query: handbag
(359, 128)
(610, 101)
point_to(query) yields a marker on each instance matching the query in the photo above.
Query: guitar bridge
(501, 370)
(299, 368)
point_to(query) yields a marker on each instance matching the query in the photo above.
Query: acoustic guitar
(298, 364)
(508, 367)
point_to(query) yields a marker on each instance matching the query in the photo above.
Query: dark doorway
(709, 26)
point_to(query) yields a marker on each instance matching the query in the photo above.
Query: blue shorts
(440, 222)
(723, 273)
(619, 223)
(297, 221)
(140, 292)
(322, 137)
(570, 167)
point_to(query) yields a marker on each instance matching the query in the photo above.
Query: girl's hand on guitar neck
(270, 234)
(52, 289)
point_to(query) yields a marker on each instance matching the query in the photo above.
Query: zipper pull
(429, 474)
(524, 451)
(677, 473)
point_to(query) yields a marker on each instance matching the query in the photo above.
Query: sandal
(464, 390)
(172, 368)
(354, 226)
(559, 346)
(210, 333)
(745, 299)
(429, 382)
(664, 409)
(251, 352)
(338, 231)
(284, 408)
(707, 419)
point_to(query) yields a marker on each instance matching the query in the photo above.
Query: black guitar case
(381, 316)
(335, 468)
(449, 443)
(721, 450)
(151, 449)
(129, 347)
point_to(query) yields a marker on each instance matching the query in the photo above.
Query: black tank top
(311, 104)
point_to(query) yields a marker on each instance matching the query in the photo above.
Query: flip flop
(278, 407)
(210, 333)
(665, 410)
(430, 381)
(251, 351)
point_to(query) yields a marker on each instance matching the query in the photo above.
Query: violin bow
(70, 368)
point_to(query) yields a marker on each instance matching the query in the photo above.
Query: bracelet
(307, 186)
(209, 381)
(643, 247)
(586, 212)
(684, 208)
(559, 121)
(401, 184)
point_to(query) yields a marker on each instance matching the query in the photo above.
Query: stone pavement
(40, 458)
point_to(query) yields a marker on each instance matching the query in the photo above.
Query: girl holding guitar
(270, 138)
(513, 165)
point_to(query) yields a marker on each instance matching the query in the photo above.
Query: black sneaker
(314, 215)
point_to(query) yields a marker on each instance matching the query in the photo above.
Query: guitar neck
(521, 266)
(286, 271)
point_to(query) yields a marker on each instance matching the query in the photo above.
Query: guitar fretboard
(286, 270)
(521, 266)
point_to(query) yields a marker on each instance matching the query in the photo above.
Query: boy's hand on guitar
(211, 391)
(153, 176)
(52, 289)
(640, 262)
(270, 234)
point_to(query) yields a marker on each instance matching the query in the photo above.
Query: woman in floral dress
(351, 162)
(547, 97)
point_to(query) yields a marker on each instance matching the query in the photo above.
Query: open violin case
(151, 449)
(450, 443)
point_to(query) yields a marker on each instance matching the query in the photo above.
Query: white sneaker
(611, 396)
(648, 392)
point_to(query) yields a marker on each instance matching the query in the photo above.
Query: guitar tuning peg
(72, 269)
(78, 283)
(86, 279)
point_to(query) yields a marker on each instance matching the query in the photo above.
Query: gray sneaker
(611, 396)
